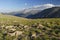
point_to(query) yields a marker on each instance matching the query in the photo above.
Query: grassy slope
(7, 19)
(51, 23)
(45, 20)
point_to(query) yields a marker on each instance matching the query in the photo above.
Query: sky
(14, 5)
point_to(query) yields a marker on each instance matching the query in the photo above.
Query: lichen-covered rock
(11, 30)
(9, 27)
(25, 26)
(18, 33)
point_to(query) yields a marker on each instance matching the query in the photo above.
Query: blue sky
(12, 5)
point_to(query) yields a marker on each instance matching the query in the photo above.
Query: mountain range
(53, 12)
(40, 11)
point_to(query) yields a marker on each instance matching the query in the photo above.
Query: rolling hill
(53, 12)
(10, 20)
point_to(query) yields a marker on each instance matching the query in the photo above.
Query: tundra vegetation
(15, 28)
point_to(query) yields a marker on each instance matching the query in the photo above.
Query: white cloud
(48, 5)
(37, 8)
(44, 6)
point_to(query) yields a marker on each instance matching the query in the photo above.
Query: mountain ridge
(53, 12)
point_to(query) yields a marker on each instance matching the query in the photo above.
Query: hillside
(53, 12)
(17, 28)
(9, 20)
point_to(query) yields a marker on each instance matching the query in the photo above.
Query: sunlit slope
(7, 19)
(47, 21)
(10, 20)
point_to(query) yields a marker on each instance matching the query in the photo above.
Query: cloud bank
(44, 6)
(37, 8)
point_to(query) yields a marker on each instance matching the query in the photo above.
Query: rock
(16, 33)
(3, 26)
(12, 30)
(34, 35)
(9, 27)
(26, 26)
(12, 34)
(40, 26)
